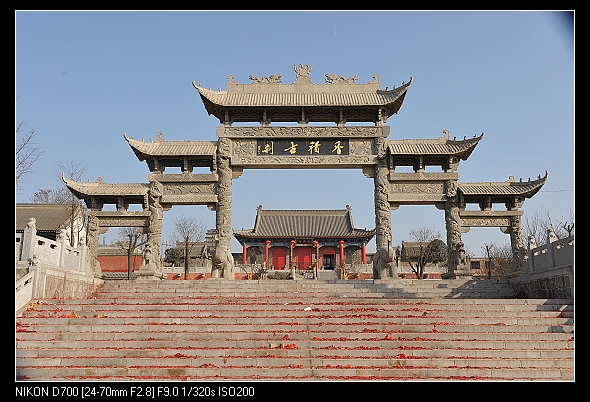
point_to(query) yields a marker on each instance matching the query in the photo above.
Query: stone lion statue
(382, 261)
(460, 256)
(222, 264)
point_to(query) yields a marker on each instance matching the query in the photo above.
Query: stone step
(400, 359)
(409, 341)
(377, 288)
(299, 324)
(164, 350)
(334, 372)
(314, 330)
(530, 307)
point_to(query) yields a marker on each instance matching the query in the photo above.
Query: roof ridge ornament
(267, 79)
(340, 79)
(302, 70)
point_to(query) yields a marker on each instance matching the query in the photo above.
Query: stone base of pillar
(148, 274)
(461, 272)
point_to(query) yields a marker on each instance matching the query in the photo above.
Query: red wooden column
(364, 254)
(316, 266)
(291, 248)
(341, 253)
(266, 254)
(244, 254)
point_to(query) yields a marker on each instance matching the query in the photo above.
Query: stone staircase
(297, 330)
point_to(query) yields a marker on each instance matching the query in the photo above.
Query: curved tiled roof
(304, 224)
(440, 146)
(83, 190)
(171, 148)
(49, 217)
(508, 187)
(378, 98)
(303, 93)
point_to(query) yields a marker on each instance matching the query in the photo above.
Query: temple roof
(101, 189)
(508, 187)
(298, 224)
(162, 147)
(440, 146)
(49, 217)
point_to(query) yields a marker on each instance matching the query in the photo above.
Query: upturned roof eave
(143, 150)
(85, 190)
(465, 147)
(515, 188)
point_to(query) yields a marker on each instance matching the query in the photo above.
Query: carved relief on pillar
(453, 226)
(517, 244)
(152, 250)
(223, 265)
(384, 257)
(92, 243)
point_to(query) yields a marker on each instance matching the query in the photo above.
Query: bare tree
(189, 230)
(130, 239)
(498, 259)
(429, 248)
(52, 196)
(75, 171)
(568, 224)
(537, 223)
(26, 153)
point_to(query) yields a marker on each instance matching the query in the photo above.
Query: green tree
(174, 256)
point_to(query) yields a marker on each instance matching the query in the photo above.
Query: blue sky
(83, 79)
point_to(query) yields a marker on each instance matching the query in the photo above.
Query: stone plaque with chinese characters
(302, 146)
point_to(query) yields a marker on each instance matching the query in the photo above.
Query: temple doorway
(329, 258)
(279, 258)
(303, 257)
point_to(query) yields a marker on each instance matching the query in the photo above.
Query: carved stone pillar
(456, 261)
(384, 255)
(92, 243)
(151, 260)
(517, 245)
(223, 262)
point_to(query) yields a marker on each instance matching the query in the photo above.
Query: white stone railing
(50, 268)
(556, 254)
(548, 270)
(24, 290)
